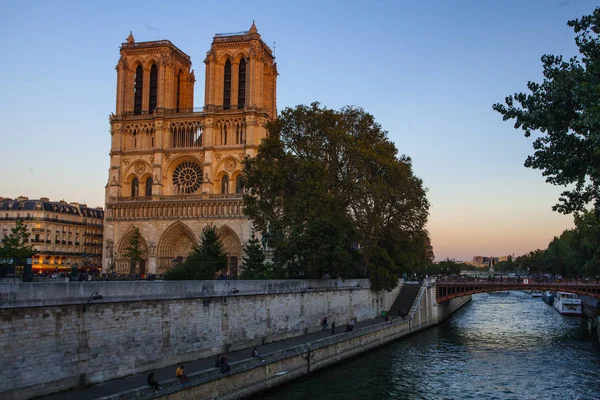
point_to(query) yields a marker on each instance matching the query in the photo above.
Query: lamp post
(93, 296)
(305, 289)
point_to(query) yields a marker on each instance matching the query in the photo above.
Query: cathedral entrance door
(142, 267)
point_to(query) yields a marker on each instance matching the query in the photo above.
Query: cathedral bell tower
(153, 76)
(174, 168)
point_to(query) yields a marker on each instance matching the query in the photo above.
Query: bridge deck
(449, 289)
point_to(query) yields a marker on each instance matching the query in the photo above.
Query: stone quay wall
(49, 343)
(249, 377)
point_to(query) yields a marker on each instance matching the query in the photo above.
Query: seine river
(498, 346)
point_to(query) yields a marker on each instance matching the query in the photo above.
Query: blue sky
(428, 71)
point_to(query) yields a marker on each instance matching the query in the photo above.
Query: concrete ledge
(40, 294)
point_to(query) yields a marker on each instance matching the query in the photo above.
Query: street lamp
(93, 296)
(306, 289)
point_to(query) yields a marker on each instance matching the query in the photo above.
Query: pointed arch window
(149, 186)
(138, 89)
(224, 135)
(227, 86)
(242, 84)
(153, 88)
(135, 187)
(239, 184)
(178, 95)
(225, 184)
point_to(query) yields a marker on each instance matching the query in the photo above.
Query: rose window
(187, 177)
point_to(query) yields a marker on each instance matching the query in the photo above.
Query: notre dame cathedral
(173, 168)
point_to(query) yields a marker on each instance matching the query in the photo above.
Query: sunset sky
(428, 71)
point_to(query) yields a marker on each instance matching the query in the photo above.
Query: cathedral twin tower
(174, 169)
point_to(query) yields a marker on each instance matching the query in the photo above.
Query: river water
(498, 346)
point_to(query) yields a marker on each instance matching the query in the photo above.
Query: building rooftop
(43, 204)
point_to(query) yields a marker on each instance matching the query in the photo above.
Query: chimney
(44, 199)
(21, 198)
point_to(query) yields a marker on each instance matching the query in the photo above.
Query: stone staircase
(405, 299)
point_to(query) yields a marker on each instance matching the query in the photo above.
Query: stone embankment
(50, 342)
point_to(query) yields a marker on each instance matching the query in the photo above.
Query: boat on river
(548, 297)
(567, 303)
(536, 293)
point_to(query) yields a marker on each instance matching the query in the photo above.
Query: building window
(139, 83)
(178, 91)
(135, 187)
(149, 187)
(225, 184)
(242, 84)
(227, 86)
(239, 184)
(134, 139)
(153, 87)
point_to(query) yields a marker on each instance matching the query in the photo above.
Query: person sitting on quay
(180, 373)
(225, 368)
(255, 354)
(153, 383)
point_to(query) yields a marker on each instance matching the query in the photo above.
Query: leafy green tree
(253, 260)
(134, 251)
(586, 244)
(331, 181)
(564, 110)
(15, 245)
(207, 258)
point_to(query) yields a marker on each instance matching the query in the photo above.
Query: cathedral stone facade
(174, 168)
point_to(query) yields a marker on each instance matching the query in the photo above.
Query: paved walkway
(168, 373)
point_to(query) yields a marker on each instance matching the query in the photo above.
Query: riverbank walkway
(166, 375)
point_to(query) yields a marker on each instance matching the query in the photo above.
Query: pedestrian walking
(333, 327)
(217, 361)
(324, 324)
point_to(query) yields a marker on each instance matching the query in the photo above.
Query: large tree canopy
(565, 109)
(335, 198)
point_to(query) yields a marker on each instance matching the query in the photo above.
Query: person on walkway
(324, 324)
(225, 368)
(180, 373)
(217, 361)
(333, 327)
(153, 383)
(352, 323)
(255, 354)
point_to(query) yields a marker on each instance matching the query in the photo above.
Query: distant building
(484, 262)
(63, 234)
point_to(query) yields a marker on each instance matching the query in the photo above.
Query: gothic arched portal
(122, 264)
(177, 242)
(233, 248)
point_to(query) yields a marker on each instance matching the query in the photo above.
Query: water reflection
(497, 347)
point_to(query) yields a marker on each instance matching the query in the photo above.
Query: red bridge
(449, 289)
